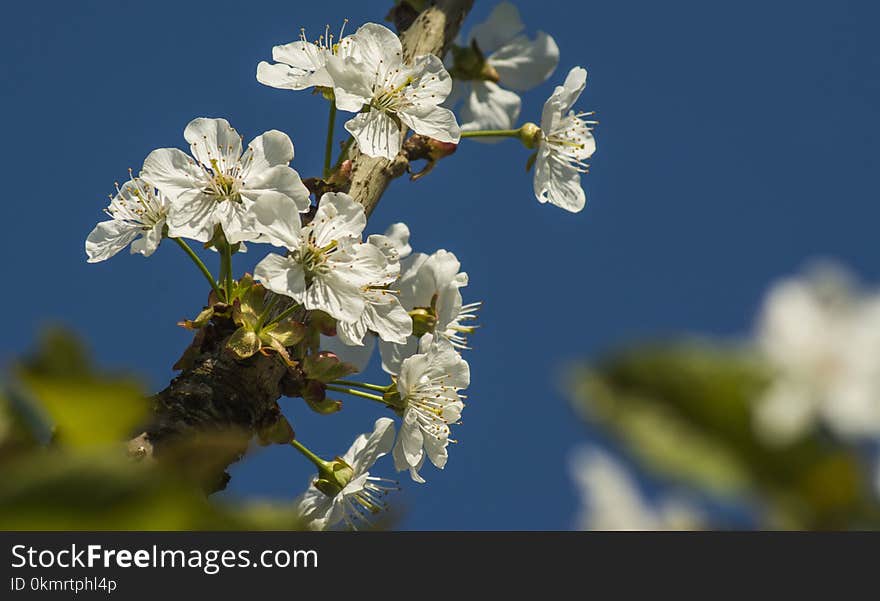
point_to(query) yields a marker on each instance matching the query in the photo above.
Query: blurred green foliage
(64, 463)
(683, 410)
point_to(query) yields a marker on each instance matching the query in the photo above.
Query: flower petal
(502, 26)
(558, 182)
(376, 134)
(173, 172)
(523, 64)
(213, 139)
(108, 238)
(281, 275)
(489, 106)
(277, 218)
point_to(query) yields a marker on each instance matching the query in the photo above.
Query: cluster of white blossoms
(611, 499)
(366, 73)
(821, 337)
(327, 295)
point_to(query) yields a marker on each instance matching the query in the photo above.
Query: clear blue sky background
(737, 140)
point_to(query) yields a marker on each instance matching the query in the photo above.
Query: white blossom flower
(383, 313)
(301, 64)
(388, 94)
(327, 267)
(512, 60)
(611, 499)
(392, 318)
(429, 385)
(363, 493)
(138, 213)
(566, 142)
(822, 339)
(430, 286)
(221, 185)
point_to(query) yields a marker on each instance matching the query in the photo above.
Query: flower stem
(364, 385)
(205, 271)
(226, 268)
(328, 147)
(293, 307)
(266, 309)
(319, 463)
(491, 133)
(353, 392)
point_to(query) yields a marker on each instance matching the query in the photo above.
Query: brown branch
(217, 394)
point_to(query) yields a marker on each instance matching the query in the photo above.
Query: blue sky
(736, 141)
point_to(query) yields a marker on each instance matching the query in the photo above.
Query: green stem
(328, 147)
(226, 268)
(266, 309)
(322, 465)
(491, 133)
(364, 385)
(205, 271)
(293, 307)
(353, 392)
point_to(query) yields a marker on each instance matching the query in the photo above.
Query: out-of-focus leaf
(87, 409)
(63, 491)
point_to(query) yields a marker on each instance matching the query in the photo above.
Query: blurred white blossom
(821, 337)
(612, 500)
(508, 60)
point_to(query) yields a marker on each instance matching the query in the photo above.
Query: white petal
(277, 180)
(376, 134)
(377, 444)
(108, 238)
(336, 296)
(523, 64)
(390, 321)
(558, 182)
(149, 242)
(488, 106)
(337, 217)
(281, 275)
(267, 150)
(563, 98)
(502, 26)
(393, 355)
(172, 172)
(192, 216)
(213, 139)
(277, 218)
(377, 47)
(435, 122)
(399, 234)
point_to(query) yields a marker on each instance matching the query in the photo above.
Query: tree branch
(215, 393)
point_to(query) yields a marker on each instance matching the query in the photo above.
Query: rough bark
(215, 393)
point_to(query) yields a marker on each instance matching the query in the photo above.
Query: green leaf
(244, 343)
